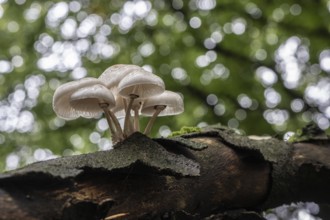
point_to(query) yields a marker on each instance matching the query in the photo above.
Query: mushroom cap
(141, 83)
(62, 95)
(173, 102)
(114, 74)
(87, 100)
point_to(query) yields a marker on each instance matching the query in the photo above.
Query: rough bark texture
(213, 174)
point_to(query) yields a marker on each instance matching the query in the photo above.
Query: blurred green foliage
(258, 66)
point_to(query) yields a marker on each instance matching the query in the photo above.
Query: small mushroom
(138, 84)
(111, 78)
(62, 95)
(114, 74)
(167, 103)
(94, 99)
(119, 109)
(121, 90)
(136, 109)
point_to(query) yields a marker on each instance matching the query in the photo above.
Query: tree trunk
(213, 174)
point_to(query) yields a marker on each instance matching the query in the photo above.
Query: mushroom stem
(127, 121)
(136, 120)
(125, 103)
(158, 109)
(104, 107)
(117, 125)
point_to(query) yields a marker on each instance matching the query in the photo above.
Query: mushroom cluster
(121, 91)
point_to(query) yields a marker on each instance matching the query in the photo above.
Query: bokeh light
(232, 67)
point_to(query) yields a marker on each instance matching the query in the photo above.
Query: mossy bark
(200, 175)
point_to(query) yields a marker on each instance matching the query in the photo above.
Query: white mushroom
(136, 106)
(121, 90)
(138, 84)
(62, 95)
(167, 103)
(119, 111)
(93, 100)
(111, 78)
(114, 74)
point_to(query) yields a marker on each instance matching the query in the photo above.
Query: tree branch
(189, 177)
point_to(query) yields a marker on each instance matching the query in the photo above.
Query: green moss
(183, 142)
(185, 130)
(309, 132)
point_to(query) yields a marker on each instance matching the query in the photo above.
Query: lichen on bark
(138, 148)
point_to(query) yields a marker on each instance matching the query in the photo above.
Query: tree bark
(223, 176)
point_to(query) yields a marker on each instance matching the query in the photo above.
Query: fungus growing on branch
(62, 95)
(138, 84)
(120, 91)
(111, 78)
(167, 103)
(114, 74)
(87, 98)
(95, 99)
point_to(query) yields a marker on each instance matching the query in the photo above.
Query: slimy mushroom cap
(114, 74)
(141, 83)
(62, 95)
(173, 102)
(87, 100)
